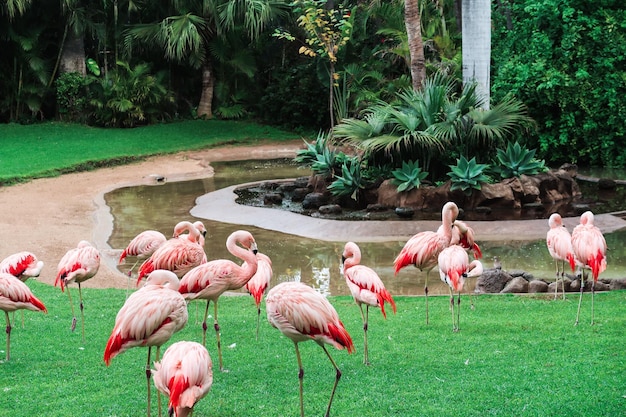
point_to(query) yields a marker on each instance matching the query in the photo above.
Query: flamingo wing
(421, 250)
(22, 265)
(15, 295)
(367, 287)
(261, 279)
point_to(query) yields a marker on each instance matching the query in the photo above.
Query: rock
(330, 209)
(404, 212)
(601, 286)
(606, 184)
(301, 182)
(537, 286)
(492, 281)
(299, 193)
(377, 207)
(314, 201)
(615, 284)
(272, 198)
(286, 187)
(566, 282)
(516, 285)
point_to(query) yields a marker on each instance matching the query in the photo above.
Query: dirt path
(51, 215)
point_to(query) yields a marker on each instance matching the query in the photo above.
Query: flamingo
(176, 255)
(463, 234)
(210, 280)
(423, 248)
(78, 265)
(454, 266)
(559, 243)
(590, 253)
(15, 295)
(185, 374)
(142, 246)
(149, 317)
(366, 288)
(474, 270)
(302, 314)
(259, 283)
(22, 265)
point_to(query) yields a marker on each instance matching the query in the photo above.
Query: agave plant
(518, 160)
(467, 176)
(408, 177)
(350, 181)
(309, 155)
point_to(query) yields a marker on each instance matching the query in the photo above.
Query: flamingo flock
(177, 270)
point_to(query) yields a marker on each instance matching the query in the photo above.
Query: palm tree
(416, 44)
(190, 35)
(477, 45)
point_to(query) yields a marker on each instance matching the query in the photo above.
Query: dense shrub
(565, 59)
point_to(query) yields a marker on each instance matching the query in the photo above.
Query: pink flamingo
(78, 265)
(590, 253)
(210, 280)
(259, 283)
(463, 234)
(559, 243)
(149, 317)
(15, 295)
(176, 255)
(143, 245)
(366, 288)
(302, 314)
(423, 248)
(454, 266)
(22, 265)
(185, 374)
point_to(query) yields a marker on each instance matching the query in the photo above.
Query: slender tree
(477, 45)
(413, 24)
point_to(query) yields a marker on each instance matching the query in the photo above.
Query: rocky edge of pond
(499, 281)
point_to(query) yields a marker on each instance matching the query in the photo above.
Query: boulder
(537, 286)
(492, 281)
(515, 286)
(314, 201)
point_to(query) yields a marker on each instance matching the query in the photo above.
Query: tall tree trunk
(73, 57)
(477, 45)
(412, 21)
(205, 107)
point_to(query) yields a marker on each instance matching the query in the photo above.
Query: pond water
(314, 262)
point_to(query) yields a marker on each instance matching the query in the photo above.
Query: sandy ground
(49, 216)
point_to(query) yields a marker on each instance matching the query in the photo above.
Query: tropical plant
(308, 155)
(129, 97)
(408, 177)
(350, 181)
(467, 176)
(72, 98)
(516, 161)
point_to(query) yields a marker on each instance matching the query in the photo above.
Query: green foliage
(467, 175)
(516, 161)
(350, 181)
(408, 177)
(565, 60)
(71, 92)
(129, 97)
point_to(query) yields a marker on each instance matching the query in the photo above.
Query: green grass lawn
(50, 149)
(514, 356)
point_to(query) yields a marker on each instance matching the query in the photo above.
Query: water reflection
(296, 258)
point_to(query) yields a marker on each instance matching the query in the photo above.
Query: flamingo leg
(563, 280)
(82, 313)
(458, 312)
(337, 378)
(426, 294)
(8, 330)
(204, 326)
(217, 335)
(300, 378)
(593, 287)
(580, 299)
(556, 283)
(148, 375)
(258, 320)
(365, 318)
(452, 309)
(73, 326)
(158, 354)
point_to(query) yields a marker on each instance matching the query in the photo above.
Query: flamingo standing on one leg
(210, 280)
(176, 255)
(302, 314)
(78, 265)
(559, 243)
(463, 234)
(453, 267)
(423, 248)
(259, 283)
(185, 374)
(366, 288)
(15, 295)
(590, 253)
(149, 317)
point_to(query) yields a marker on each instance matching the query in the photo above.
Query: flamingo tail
(178, 384)
(341, 336)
